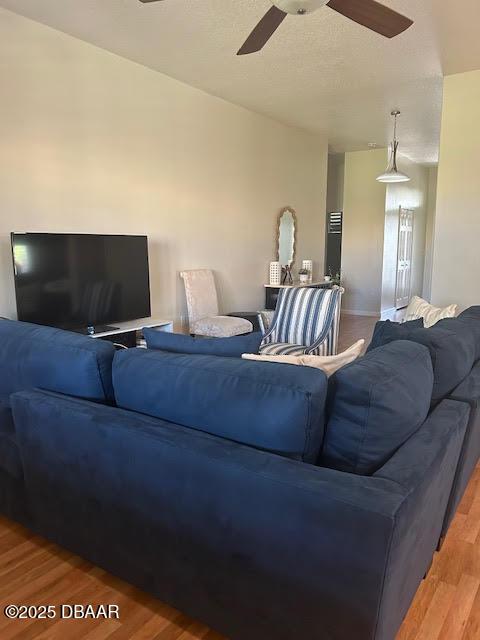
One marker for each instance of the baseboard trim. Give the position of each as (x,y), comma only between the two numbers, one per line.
(355,312)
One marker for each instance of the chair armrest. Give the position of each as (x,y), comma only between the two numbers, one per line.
(265,318)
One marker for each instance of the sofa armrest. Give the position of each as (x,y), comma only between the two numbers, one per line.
(426,470)
(422,451)
(257,545)
(469,390)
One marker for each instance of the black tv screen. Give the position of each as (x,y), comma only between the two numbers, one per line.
(75,281)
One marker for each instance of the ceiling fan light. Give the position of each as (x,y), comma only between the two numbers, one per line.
(299,7)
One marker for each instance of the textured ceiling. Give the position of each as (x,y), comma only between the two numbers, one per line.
(320,72)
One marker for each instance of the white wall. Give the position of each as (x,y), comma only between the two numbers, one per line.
(429,232)
(457,222)
(363,227)
(90,142)
(409,195)
(335,182)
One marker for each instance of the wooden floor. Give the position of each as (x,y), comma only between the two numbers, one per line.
(353,328)
(33,571)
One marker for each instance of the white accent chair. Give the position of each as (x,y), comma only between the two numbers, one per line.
(202,304)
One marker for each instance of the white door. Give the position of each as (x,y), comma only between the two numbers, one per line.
(404,258)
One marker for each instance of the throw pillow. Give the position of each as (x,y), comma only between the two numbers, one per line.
(464,325)
(452,354)
(386,331)
(420,308)
(328,364)
(374,405)
(181,343)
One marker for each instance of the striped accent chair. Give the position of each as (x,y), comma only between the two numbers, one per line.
(305,322)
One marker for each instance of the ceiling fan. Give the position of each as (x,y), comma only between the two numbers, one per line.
(368,13)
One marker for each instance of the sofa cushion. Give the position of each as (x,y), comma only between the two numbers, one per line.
(374,405)
(279,408)
(10,460)
(221,326)
(468,320)
(6,420)
(385,331)
(452,353)
(471,312)
(55,360)
(180,343)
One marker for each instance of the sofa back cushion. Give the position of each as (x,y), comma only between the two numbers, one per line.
(374,405)
(232,347)
(468,320)
(276,407)
(55,360)
(471,312)
(452,353)
(386,331)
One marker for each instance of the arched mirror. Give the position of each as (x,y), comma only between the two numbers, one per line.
(287,231)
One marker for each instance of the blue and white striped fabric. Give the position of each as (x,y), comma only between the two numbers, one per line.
(306,321)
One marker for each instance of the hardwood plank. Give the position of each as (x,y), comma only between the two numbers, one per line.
(103,631)
(472,629)
(353,328)
(423,599)
(155,625)
(471,527)
(456,621)
(437,612)
(70,584)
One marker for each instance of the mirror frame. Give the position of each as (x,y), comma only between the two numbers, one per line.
(279,219)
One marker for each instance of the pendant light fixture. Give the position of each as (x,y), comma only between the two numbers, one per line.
(392,174)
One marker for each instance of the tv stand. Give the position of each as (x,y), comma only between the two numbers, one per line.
(129,334)
(94,330)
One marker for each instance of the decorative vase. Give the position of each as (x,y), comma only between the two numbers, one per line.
(308,266)
(275,274)
(305,278)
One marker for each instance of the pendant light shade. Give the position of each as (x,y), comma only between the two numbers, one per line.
(392,174)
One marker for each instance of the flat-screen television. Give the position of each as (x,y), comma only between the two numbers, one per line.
(79,281)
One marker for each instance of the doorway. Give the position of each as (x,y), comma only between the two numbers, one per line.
(403,288)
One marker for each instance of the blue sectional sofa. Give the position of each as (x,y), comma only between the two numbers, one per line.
(260,498)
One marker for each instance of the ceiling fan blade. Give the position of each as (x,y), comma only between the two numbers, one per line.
(144,1)
(373,15)
(263,31)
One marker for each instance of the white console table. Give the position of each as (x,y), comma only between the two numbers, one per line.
(127,333)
